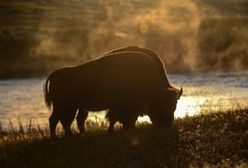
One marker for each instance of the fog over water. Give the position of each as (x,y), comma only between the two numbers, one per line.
(22,100)
(189,35)
(37,37)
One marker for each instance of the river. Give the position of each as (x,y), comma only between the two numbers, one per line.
(21,100)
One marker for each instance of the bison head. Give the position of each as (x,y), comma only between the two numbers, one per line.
(164,106)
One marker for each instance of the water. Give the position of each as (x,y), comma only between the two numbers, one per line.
(22,100)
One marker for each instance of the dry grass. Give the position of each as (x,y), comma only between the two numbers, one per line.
(213,140)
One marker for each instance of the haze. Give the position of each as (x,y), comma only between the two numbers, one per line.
(190,35)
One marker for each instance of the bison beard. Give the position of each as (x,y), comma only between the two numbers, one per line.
(125,83)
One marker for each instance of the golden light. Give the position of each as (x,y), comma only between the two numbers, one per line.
(144,28)
(186,106)
(189,106)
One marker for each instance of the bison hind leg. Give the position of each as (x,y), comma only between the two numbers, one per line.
(53,121)
(67,116)
(81,117)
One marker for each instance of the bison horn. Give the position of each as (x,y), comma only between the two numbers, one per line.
(180,93)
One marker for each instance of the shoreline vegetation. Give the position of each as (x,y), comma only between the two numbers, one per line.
(217,139)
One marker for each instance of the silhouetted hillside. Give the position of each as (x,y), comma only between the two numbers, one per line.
(193,35)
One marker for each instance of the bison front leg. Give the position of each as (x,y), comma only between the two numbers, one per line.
(125,116)
(128,125)
(112,118)
(129,121)
(111,126)
(81,117)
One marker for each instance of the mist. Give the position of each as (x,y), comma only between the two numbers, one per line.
(189,35)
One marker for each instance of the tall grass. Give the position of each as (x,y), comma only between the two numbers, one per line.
(212,140)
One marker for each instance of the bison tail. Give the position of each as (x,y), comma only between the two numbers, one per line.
(46,92)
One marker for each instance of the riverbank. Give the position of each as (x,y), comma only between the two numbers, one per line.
(212,140)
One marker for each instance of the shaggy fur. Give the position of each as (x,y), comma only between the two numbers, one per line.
(124,83)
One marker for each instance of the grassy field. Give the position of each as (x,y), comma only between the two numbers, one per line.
(212,140)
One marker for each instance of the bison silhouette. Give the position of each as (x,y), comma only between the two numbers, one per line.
(125,83)
(113,117)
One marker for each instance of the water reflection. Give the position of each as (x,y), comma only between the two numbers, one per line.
(22,100)
(189,106)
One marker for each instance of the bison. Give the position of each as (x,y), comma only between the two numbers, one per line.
(125,83)
(152,54)
(113,117)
